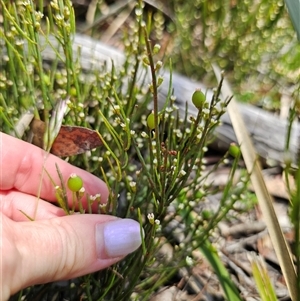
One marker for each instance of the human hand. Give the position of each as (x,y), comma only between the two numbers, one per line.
(54,246)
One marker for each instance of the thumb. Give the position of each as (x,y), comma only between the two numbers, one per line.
(63,248)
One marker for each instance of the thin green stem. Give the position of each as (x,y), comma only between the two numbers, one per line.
(155,97)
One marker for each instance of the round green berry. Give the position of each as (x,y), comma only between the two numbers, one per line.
(151,121)
(75,183)
(73,91)
(46,79)
(198,99)
(234,150)
(206,214)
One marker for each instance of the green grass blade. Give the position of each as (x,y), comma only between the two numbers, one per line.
(262,279)
(223,275)
(294,11)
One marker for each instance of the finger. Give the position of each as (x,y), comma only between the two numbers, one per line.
(19,206)
(22,169)
(63,248)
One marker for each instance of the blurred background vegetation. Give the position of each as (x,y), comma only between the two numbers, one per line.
(253,41)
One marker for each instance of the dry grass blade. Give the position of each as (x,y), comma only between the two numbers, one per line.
(114,9)
(22,124)
(118,22)
(264,199)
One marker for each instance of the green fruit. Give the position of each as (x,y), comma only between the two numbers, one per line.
(206,214)
(73,91)
(75,183)
(198,99)
(151,121)
(234,150)
(46,79)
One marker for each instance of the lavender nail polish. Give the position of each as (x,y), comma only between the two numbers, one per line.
(121,237)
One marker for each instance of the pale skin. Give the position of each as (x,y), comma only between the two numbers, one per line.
(54,246)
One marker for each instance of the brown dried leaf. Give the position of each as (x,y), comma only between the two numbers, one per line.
(70,141)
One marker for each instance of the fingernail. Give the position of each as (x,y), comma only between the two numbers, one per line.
(121,237)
